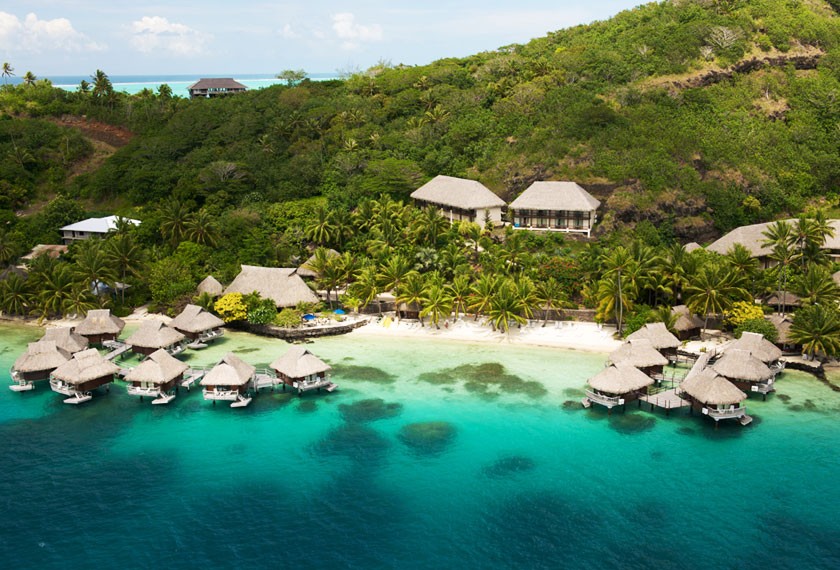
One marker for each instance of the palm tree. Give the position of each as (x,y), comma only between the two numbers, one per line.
(817,329)
(173,222)
(15,295)
(412,292)
(55,288)
(102,87)
(482,294)
(78,302)
(394,272)
(205,300)
(201,229)
(429,225)
(84,87)
(505,307)
(459,291)
(816,286)
(781,237)
(366,287)
(331,277)
(7,72)
(322,229)
(617,288)
(6,248)
(91,266)
(125,256)
(712,291)
(436,303)
(526,297)
(29,78)
(550,295)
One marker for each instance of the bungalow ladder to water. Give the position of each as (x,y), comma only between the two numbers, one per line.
(19,384)
(75,396)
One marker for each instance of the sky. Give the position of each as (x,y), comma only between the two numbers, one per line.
(76,37)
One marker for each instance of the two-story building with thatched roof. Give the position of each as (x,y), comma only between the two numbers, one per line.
(460,199)
(154,335)
(84,372)
(280,284)
(156,377)
(100,326)
(555,206)
(301,370)
(36,364)
(616,385)
(215,87)
(230,380)
(198,325)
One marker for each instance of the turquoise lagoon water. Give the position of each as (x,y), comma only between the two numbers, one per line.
(430,455)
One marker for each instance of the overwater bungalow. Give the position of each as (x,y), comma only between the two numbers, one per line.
(153,335)
(713,395)
(761,348)
(687,324)
(211,286)
(230,380)
(100,326)
(156,377)
(36,364)
(280,284)
(641,354)
(460,199)
(198,325)
(83,373)
(65,338)
(746,371)
(303,371)
(616,385)
(660,338)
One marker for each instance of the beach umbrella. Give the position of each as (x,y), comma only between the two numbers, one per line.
(339,312)
(308,317)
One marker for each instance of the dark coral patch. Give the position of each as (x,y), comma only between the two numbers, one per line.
(369,410)
(509,466)
(428,438)
(363,374)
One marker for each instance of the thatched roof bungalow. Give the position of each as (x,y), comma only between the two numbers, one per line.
(230,380)
(758,346)
(280,284)
(460,199)
(37,363)
(641,354)
(747,372)
(197,324)
(715,396)
(153,335)
(783,299)
(782,324)
(660,338)
(99,326)
(84,372)
(302,370)
(210,286)
(687,324)
(65,338)
(617,384)
(555,206)
(156,377)
(207,87)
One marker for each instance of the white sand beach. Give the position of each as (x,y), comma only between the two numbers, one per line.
(588,337)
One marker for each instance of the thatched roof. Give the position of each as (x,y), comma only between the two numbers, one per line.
(100,321)
(755,343)
(686,320)
(217,83)
(782,324)
(41,355)
(658,335)
(299,363)
(84,366)
(693,246)
(709,387)
(836,277)
(555,196)
(742,365)
(752,237)
(159,368)
(154,334)
(457,193)
(620,379)
(787,298)
(639,353)
(280,284)
(210,286)
(65,338)
(195,319)
(230,371)
(306,270)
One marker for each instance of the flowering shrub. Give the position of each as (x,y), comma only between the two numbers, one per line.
(743,311)
(231,307)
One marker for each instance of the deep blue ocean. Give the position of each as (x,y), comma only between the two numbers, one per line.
(179,83)
(431,454)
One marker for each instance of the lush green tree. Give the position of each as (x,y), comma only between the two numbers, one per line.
(817,329)
(436,303)
(7,71)
(816,285)
(483,292)
(760,326)
(291,76)
(200,228)
(713,291)
(505,307)
(15,295)
(411,292)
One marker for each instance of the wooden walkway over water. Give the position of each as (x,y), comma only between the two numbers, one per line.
(667,400)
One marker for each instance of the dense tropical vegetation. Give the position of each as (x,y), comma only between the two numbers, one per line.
(658,111)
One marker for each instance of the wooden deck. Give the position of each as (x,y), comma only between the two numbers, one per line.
(667,400)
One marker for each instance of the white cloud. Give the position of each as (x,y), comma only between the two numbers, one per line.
(155,33)
(34,35)
(289,33)
(352,34)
